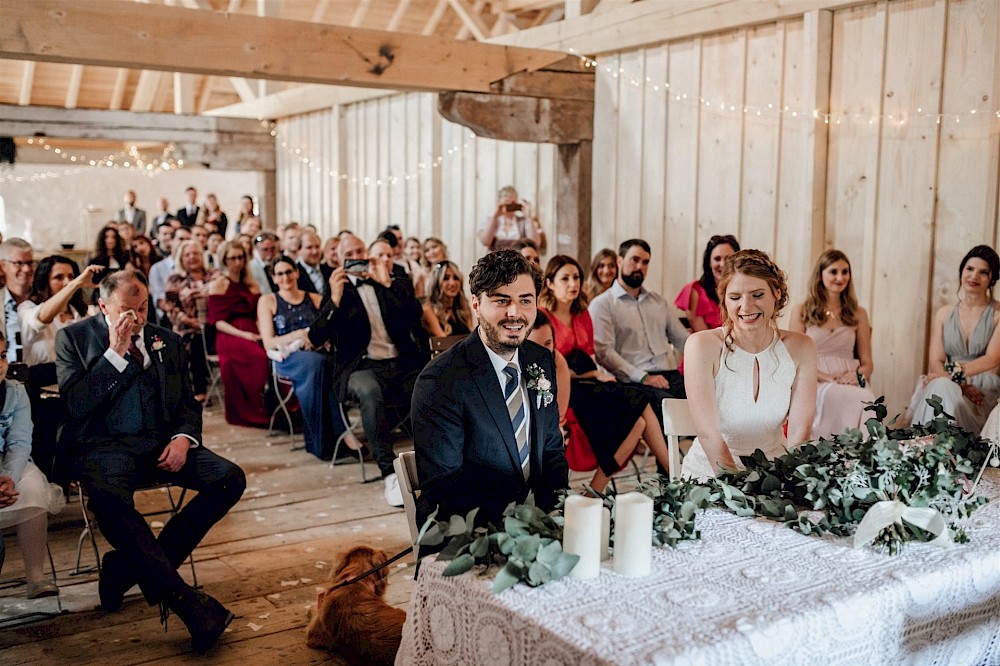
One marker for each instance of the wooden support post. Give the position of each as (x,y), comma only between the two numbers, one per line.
(573,194)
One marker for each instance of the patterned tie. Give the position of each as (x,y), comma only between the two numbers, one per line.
(515,409)
(134,353)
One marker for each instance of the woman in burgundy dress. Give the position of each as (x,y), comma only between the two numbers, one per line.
(232,309)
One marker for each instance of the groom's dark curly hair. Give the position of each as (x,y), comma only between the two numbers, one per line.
(500,268)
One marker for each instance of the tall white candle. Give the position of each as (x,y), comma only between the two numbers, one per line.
(582,534)
(633,534)
(605,534)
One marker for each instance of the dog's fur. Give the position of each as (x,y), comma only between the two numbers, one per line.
(354,621)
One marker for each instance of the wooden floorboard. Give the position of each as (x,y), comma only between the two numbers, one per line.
(264,561)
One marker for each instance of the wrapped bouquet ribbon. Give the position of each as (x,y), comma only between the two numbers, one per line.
(883,514)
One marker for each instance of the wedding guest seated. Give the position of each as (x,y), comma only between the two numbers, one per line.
(330,258)
(603,271)
(56,301)
(414,250)
(699,300)
(284,319)
(529,250)
(265,250)
(446,310)
(749,378)
(381,346)
(25,493)
(466,453)
(133,420)
(110,251)
(313,275)
(185,287)
(612,416)
(832,317)
(634,329)
(162,270)
(412,267)
(243,364)
(144,255)
(964,348)
(435,251)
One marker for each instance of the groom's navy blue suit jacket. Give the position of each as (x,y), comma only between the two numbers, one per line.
(466,453)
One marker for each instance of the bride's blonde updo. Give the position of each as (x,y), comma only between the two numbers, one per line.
(755,264)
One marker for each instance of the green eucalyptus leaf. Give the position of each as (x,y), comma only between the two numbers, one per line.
(539,574)
(480,547)
(459,565)
(527,547)
(549,553)
(507,577)
(514,526)
(456,526)
(563,565)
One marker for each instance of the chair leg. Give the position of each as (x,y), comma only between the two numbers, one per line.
(88,531)
(52,565)
(176,506)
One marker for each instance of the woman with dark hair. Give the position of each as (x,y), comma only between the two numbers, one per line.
(283,319)
(700,300)
(832,317)
(243,364)
(748,379)
(110,251)
(215,218)
(964,349)
(246,210)
(447,310)
(56,301)
(603,271)
(613,416)
(144,255)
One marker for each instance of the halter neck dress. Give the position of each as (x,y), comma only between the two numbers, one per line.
(747,424)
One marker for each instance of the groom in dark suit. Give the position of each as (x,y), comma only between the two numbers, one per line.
(485,419)
(133,420)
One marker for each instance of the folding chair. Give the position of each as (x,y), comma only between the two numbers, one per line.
(405,466)
(88,526)
(346,409)
(677,423)
(440,344)
(211,359)
(283,391)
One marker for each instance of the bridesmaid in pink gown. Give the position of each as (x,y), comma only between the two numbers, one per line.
(842,333)
(232,309)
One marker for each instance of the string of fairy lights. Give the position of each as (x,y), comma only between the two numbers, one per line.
(135,161)
(132,159)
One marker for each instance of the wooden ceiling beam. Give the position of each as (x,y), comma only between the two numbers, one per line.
(183,93)
(472,22)
(205,95)
(435,18)
(118,91)
(27,83)
(145,91)
(147,37)
(657,21)
(360,12)
(397,16)
(73,89)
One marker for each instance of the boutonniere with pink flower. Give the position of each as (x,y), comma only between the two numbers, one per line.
(541,385)
(157,346)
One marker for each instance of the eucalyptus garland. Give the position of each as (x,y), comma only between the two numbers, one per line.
(527,550)
(828,485)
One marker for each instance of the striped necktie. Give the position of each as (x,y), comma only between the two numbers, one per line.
(515,409)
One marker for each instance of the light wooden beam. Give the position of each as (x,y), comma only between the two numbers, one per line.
(472,23)
(360,12)
(575,8)
(145,91)
(604,6)
(145,36)
(243,89)
(205,96)
(27,83)
(397,16)
(118,91)
(515,6)
(657,21)
(318,12)
(435,18)
(73,89)
(299,100)
(183,93)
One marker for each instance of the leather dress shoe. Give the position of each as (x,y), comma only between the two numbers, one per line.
(114,581)
(204,617)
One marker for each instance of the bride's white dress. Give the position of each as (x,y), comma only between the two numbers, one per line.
(747,424)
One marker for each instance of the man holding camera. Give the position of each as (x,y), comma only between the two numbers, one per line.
(381,347)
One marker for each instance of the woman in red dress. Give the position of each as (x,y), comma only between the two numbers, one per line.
(232,309)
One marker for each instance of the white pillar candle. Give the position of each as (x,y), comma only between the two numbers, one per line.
(582,534)
(605,534)
(633,534)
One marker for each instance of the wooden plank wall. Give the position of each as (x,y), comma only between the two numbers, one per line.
(394,160)
(733,146)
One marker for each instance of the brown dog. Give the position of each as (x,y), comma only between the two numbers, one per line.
(354,621)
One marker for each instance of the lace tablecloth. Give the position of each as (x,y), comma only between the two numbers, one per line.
(749,592)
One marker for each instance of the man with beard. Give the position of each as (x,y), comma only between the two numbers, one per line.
(634,328)
(485,419)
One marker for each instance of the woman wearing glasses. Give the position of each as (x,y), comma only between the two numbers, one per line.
(699,299)
(243,365)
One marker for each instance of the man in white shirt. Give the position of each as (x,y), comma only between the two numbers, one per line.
(134,216)
(634,328)
(161,270)
(265,250)
(314,275)
(17,261)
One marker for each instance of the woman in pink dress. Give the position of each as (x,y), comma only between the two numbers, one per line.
(840,328)
(243,364)
(699,299)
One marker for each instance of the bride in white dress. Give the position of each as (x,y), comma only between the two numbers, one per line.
(746,380)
